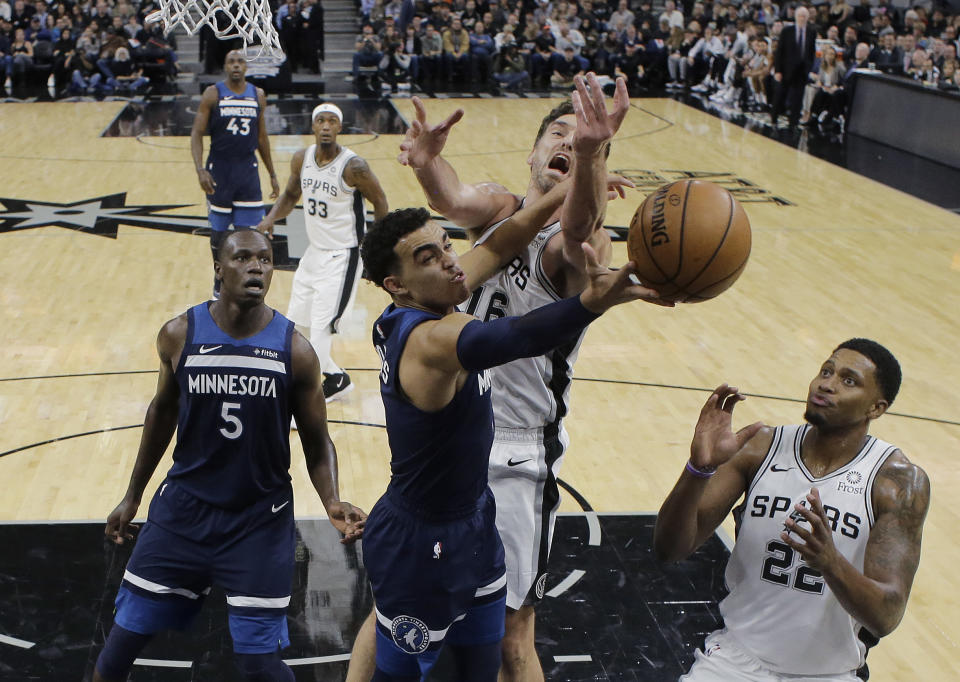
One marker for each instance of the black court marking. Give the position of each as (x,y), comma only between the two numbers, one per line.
(636,619)
(624,382)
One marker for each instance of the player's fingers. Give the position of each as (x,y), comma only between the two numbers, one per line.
(596,94)
(590,255)
(586,104)
(748,432)
(451,120)
(621,103)
(421,110)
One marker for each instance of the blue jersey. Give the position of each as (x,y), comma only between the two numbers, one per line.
(438,462)
(233,433)
(234,123)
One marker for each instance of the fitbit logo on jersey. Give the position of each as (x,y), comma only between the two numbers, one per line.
(410,634)
(232,384)
(265,353)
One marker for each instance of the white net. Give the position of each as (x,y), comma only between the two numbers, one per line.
(250,20)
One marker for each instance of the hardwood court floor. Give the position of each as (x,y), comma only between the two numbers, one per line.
(834,256)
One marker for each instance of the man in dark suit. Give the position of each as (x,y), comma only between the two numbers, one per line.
(792,63)
(887,56)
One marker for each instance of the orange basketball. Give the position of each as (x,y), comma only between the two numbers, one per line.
(690,241)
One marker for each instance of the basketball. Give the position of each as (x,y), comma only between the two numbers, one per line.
(690,240)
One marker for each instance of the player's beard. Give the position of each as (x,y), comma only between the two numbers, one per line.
(814,419)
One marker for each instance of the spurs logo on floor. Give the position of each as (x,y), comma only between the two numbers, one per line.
(410,634)
(745,191)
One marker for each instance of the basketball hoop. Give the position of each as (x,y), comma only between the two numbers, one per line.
(249,20)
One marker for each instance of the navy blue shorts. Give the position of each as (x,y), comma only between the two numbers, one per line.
(186,546)
(236,199)
(433,581)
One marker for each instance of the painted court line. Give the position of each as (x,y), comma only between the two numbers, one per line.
(13,641)
(566,583)
(575,658)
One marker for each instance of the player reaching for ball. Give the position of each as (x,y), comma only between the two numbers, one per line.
(812,584)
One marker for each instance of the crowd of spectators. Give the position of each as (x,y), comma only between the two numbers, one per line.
(83,47)
(724,50)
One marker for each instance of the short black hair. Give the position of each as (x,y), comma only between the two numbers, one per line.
(888,369)
(379,258)
(231,235)
(565,107)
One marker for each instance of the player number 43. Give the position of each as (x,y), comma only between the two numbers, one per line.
(242,129)
(233,427)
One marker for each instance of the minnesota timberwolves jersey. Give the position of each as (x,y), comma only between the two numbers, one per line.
(779,608)
(439,459)
(234,123)
(332,210)
(233,433)
(531,392)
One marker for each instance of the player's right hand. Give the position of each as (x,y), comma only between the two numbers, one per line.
(206,180)
(424,142)
(347,519)
(609,287)
(266,226)
(119,529)
(714,441)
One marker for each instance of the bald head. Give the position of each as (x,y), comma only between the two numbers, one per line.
(802,16)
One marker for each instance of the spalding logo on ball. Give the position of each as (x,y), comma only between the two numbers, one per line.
(690,240)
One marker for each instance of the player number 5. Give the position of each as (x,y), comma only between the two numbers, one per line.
(231,420)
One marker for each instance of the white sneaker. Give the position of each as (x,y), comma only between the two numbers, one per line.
(701,87)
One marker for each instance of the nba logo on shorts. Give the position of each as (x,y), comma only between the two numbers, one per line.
(410,634)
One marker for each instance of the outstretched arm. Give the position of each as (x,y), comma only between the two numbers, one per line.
(289,198)
(583,214)
(310,411)
(877,597)
(700,500)
(358,174)
(263,144)
(200,123)
(466,205)
(158,428)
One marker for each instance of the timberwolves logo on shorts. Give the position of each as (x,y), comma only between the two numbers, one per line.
(410,634)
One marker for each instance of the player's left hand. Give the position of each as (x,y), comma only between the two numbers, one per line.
(274,187)
(816,544)
(595,125)
(347,519)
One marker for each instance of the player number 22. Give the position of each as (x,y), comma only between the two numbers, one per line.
(242,129)
(234,426)
(778,566)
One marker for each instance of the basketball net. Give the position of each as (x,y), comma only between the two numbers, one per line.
(250,20)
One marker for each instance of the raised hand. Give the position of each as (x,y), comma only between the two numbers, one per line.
(595,125)
(608,288)
(423,142)
(118,523)
(714,441)
(815,545)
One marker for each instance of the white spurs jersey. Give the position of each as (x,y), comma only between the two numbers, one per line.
(332,211)
(530,392)
(780,609)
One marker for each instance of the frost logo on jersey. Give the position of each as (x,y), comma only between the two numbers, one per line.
(485,381)
(850,486)
(410,634)
(541,585)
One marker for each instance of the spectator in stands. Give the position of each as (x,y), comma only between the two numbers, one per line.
(849,45)
(6,11)
(702,57)
(949,76)
(566,65)
(84,75)
(679,46)
(792,63)
(621,18)
(756,73)
(367,50)
(922,68)
(887,56)
(470,15)
(456,51)
(122,75)
(861,60)
(504,38)
(482,50)
(541,56)
(510,71)
(630,67)
(431,57)
(672,14)
(828,95)
(22,57)
(89,43)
